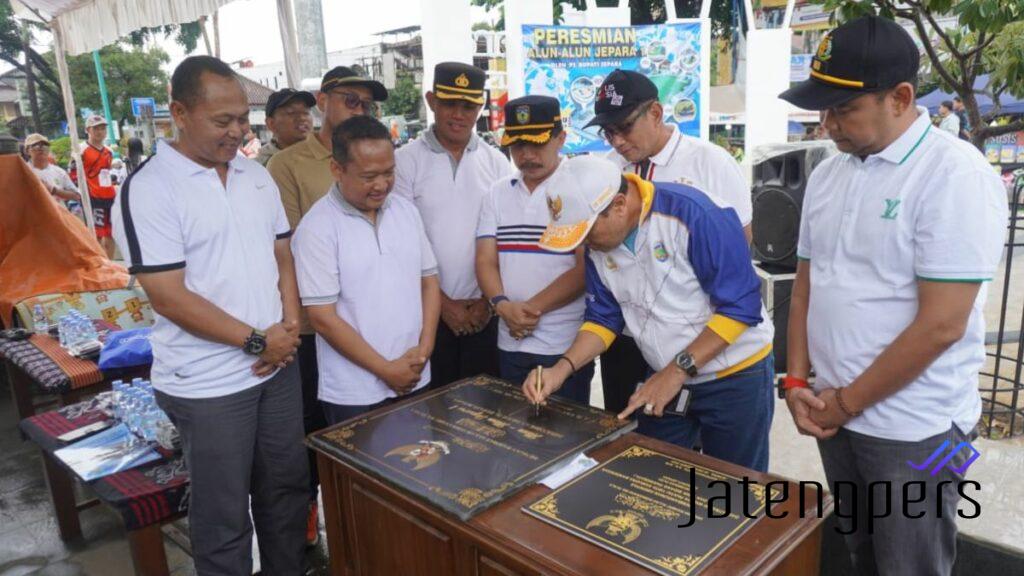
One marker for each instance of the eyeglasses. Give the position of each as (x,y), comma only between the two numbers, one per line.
(626,126)
(353,101)
(40,146)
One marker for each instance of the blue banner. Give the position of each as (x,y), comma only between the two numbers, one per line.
(570,62)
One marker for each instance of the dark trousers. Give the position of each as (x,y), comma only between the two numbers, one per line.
(896,544)
(335,413)
(516,366)
(458,357)
(730,417)
(241,446)
(312,414)
(622,368)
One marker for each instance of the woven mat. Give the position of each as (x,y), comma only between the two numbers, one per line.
(81,372)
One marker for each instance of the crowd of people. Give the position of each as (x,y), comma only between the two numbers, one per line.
(346,275)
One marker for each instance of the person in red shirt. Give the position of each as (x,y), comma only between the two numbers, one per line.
(96,161)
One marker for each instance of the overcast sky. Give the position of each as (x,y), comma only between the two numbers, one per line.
(249,30)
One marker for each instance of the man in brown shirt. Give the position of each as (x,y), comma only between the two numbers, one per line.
(288,118)
(303,175)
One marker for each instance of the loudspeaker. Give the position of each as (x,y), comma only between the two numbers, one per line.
(776,289)
(777,197)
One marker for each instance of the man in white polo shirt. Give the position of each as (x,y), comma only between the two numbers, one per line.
(899,235)
(632,120)
(368,278)
(537,294)
(671,265)
(204,231)
(446,172)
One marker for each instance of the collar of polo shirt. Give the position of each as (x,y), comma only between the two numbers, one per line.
(665,154)
(900,149)
(192,167)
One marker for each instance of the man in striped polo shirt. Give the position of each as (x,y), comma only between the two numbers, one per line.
(537,294)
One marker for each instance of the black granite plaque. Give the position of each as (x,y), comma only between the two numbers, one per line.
(652,509)
(470,444)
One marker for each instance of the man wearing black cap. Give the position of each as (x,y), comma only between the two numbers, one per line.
(899,235)
(632,120)
(288,118)
(447,171)
(303,175)
(536,293)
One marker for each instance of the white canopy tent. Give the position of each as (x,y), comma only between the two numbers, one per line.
(81,26)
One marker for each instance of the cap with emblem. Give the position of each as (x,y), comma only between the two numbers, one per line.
(33,139)
(95,120)
(620,93)
(865,55)
(577,193)
(286,95)
(458,81)
(344,76)
(532,119)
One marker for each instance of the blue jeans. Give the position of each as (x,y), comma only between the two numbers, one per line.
(516,366)
(730,416)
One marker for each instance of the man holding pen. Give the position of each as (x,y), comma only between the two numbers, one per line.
(672,265)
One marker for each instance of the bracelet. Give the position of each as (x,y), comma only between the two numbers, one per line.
(571,365)
(790,382)
(842,405)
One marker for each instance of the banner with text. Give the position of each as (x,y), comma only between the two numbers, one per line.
(570,62)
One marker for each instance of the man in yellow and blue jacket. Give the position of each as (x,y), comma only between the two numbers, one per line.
(669,265)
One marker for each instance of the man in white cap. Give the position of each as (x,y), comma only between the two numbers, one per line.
(97,160)
(56,180)
(672,265)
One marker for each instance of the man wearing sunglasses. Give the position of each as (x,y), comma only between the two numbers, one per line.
(633,121)
(303,175)
(447,172)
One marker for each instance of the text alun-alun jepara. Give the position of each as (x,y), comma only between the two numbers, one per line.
(583,43)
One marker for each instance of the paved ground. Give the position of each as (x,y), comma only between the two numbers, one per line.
(29,543)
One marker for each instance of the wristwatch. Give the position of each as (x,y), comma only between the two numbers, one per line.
(497,300)
(256,343)
(684,361)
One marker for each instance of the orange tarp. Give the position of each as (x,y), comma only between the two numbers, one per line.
(44,249)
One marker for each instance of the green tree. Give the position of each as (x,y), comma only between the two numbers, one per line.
(988,40)
(404,99)
(128,73)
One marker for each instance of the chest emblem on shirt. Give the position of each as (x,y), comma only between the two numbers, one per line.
(423,454)
(522,114)
(892,206)
(555,207)
(610,263)
(660,253)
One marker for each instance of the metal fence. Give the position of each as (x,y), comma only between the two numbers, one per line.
(1002,392)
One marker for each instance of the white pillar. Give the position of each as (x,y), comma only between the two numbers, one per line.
(71,113)
(768,54)
(445,30)
(518,13)
(286,23)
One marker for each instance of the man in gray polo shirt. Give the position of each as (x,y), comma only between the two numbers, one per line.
(205,233)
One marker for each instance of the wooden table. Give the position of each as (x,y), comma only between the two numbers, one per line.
(146,497)
(375,529)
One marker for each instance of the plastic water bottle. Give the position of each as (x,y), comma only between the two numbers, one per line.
(39,323)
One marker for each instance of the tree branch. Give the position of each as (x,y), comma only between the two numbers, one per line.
(935,26)
(992,131)
(933,56)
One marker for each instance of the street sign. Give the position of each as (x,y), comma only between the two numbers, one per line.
(143,107)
